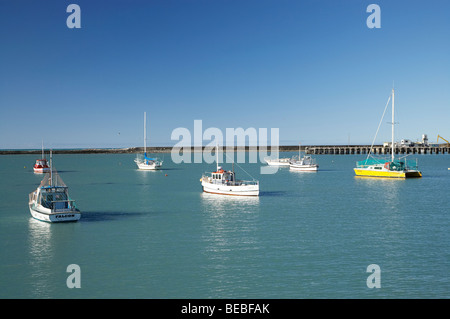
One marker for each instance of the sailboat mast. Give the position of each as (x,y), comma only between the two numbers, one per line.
(51,169)
(393,123)
(145,132)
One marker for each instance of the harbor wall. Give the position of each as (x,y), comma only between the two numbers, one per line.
(376,149)
(309,149)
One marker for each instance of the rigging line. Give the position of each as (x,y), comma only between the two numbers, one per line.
(385,108)
(239,166)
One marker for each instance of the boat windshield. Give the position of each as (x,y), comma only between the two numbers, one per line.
(55,198)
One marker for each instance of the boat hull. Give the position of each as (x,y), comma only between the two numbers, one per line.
(386,173)
(278,162)
(241,190)
(305,168)
(55,217)
(41,170)
(148,167)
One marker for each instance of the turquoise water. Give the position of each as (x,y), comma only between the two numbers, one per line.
(148,235)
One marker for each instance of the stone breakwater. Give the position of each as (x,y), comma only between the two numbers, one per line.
(150,150)
(92,151)
(309,149)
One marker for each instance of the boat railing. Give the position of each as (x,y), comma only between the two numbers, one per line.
(31,197)
(228,183)
(370,162)
(411,164)
(241,183)
(397,165)
(277,159)
(59,205)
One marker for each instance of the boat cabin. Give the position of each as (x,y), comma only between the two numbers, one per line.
(395,166)
(222,176)
(41,163)
(54,197)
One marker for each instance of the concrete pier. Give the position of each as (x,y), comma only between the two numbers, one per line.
(309,149)
(376,149)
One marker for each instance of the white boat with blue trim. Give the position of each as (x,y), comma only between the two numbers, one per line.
(51,202)
(147,163)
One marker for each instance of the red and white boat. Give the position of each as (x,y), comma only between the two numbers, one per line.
(41,166)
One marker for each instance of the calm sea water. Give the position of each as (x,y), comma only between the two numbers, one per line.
(156,235)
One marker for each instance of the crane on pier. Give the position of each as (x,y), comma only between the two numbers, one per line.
(440,137)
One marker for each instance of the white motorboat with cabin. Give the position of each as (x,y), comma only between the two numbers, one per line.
(305,163)
(225,183)
(147,163)
(51,202)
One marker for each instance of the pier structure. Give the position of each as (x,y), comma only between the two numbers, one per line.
(309,149)
(376,149)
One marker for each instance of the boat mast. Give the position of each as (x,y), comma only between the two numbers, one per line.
(145,132)
(42,149)
(217,157)
(392,156)
(51,169)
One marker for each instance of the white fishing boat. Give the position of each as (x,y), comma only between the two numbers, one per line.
(144,162)
(225,183)
(277,161)
(51,202)
(305,163)
(41,165)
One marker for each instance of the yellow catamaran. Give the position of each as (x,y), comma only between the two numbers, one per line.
(387,168)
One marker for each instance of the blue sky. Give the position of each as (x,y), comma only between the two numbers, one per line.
(311,68)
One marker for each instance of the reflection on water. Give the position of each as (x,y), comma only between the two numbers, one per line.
(386,198)
(41,254)
(382,189)
(222,203)
(303,175)
(300,172)
(230,238)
